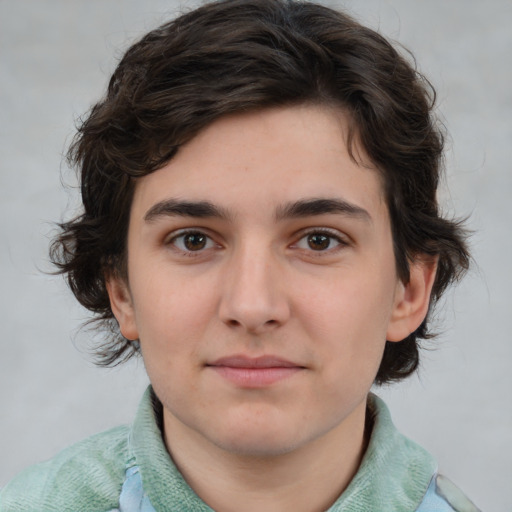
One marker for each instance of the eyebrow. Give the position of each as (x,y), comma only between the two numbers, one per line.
(297,209)
(175,207)
(321,206)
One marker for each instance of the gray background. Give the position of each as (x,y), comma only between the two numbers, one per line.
(56,57)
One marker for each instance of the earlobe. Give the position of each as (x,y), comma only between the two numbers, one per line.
(412,299)
(122,307)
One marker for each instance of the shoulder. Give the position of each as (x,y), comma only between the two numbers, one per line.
(443,496)
(85,476)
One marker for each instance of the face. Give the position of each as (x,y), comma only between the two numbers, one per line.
(261,282)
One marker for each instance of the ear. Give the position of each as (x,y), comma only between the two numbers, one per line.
(121,304)
(412,299)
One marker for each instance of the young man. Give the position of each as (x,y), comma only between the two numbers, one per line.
(260,223)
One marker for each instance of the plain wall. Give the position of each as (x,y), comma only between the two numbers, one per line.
(56,57)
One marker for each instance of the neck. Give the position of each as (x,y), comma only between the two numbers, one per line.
(307,479)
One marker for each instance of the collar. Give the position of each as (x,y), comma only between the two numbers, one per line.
(394,473)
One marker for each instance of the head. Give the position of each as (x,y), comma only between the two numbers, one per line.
(244,56)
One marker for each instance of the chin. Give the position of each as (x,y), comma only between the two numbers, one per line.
(261,439)
(259,446)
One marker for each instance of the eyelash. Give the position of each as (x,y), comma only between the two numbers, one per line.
(209,242)
(329,234)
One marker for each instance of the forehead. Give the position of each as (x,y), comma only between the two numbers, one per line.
(265,159)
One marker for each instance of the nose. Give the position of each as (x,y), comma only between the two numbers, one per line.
(253,298)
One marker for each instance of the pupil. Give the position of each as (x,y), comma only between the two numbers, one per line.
(195,241)
(318,242)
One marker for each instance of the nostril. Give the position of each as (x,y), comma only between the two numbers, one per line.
(237,324)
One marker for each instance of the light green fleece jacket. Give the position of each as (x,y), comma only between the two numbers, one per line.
(128,469)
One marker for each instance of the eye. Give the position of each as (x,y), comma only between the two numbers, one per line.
(192,241)
(319,241)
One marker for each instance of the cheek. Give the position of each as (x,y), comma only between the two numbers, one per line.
(347,319)
(347,305)
(167,296)
(172,313)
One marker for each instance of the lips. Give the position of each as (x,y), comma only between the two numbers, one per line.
(258,372)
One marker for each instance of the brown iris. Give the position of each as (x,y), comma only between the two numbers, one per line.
(318,241)
(194,241)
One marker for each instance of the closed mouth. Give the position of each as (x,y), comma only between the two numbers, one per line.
(254,372)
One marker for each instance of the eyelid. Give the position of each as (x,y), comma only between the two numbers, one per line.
(174,235)
(342,239)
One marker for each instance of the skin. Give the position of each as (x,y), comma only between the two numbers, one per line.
(231,257)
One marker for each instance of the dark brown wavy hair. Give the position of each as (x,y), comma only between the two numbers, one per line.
(236,56)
